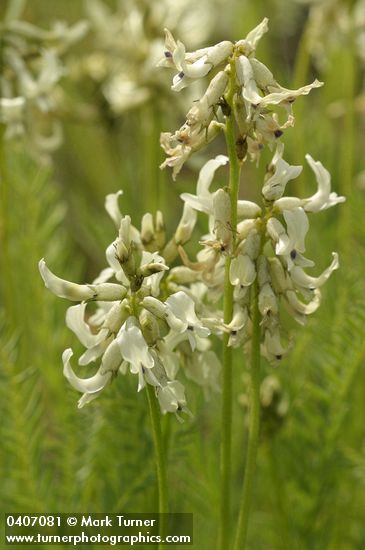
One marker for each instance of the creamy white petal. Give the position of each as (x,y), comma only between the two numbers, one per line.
(285,95)
(297,227)
(186,224)
(112,206)
(242,271)
(112,358)
(78,293)
(87,398)
(171,397)
(272,348)
(277,232)
(268,302)
(288,203)
(257,33)
(181,314)
(86,385)
(274,187)
(75,321)
(91,354)
(301,279)
(63,288)
(301,307)
(133,346)
(206,174)
(248,209)
(323,198)
(246,79)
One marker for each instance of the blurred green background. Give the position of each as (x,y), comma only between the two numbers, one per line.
(310,486)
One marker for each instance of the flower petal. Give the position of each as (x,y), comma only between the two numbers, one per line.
(112,206)
(133,346)
(86,385)
(302,280)
(323,198)
(75,321)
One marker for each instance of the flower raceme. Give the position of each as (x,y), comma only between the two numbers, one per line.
(237,73)
(269,248)
(145,321)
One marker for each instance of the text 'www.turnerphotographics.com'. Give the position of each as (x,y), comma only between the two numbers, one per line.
(112,529)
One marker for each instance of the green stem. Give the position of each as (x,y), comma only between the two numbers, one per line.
(226,414)
(159,458)
(242,525)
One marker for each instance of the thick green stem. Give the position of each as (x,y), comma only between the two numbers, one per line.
(159,458)
(241,533)
(226,415)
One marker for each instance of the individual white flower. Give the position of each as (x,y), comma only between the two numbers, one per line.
(134,349)
(180,145)
(268,302)
(203,111)
(248,209)
(242,271)
(323,198)
(249,44)
(305,281)
(274,187)
(76,292)
(303,308)
(112,207)
(75,321)
(195,65)
(181,317)
(283,95)
(237,328)
(272,348)
(186,225)
(90,387)
(171,397)
(290,243)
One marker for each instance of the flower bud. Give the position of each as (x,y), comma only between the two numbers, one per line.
(219,53)
(116,316)
(186,225)
(248,209)
(147,229)
(149,326)
(160,230)
(268,303)
(280,280)
(242,271)
(152,268)
(154,306)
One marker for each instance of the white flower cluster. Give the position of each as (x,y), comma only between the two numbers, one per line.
(31,69)
(268,249)
(255,96)
(144,321)
(125,68)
